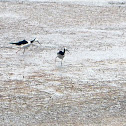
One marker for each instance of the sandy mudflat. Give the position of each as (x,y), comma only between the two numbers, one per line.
(88,90)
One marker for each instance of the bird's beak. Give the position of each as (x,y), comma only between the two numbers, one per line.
(38,42)
(67,50)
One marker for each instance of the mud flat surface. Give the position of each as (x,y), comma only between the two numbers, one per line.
(89,89)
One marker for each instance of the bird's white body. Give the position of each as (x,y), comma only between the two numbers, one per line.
(26,45)
(60,56)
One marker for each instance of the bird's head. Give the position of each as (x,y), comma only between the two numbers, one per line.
(35,40)
(65,49)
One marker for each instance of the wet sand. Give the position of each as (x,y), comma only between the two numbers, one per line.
(89,89)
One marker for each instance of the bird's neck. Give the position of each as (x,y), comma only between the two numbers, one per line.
(31,41)
(64,51)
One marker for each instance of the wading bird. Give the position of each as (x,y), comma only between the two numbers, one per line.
(24,44)
(61,55)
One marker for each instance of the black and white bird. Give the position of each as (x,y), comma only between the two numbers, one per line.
(61,55)
(24,44)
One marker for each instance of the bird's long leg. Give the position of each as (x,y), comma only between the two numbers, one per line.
(61,62)
(18,50)
(55,59)
(24,51)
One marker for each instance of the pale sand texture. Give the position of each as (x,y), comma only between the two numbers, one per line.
(88,90)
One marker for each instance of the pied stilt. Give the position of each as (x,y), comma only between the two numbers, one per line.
(24,44)
(61,55)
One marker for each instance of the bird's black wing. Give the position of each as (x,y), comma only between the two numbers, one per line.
(61,53)
(20,42)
